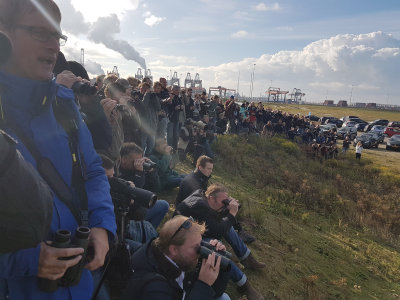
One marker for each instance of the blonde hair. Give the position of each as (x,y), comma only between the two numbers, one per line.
(214,189)
(171,227)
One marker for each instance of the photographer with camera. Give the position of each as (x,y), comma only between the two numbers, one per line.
(175,107)
(218,211)
(89,104)
(152,105)
(162,156)
(162,265)
(143,173)
(31,102)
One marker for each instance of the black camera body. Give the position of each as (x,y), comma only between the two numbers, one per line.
(122,193)
(148,165)
(84,88)
(73,274)
(206,249)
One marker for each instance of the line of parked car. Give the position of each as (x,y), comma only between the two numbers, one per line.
(374,132)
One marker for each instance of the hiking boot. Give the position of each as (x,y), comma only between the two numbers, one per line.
(250,263)
(250,292)
(246,237)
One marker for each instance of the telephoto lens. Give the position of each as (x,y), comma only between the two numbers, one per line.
(81,240)
(62,239)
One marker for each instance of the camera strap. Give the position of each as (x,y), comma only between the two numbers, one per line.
(66,116)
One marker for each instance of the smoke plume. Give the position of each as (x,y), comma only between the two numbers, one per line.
(103,31)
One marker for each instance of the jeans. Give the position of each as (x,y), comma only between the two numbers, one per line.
(162,128)
(236,275)
(173,182)
(224,296)
(157,213)
(173,134)
(147,142)
(104,293)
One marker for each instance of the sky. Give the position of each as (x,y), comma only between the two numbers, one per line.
(330,49)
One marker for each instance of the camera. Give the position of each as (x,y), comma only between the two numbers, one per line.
(83,88)
(119,107)
(148,165)
(206,249)
(122,193)
(73,274)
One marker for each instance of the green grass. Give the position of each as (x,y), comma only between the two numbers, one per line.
(325,231)
(338,112)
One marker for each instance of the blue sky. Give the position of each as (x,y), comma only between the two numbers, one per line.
(317,40)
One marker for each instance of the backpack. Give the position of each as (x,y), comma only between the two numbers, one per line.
(26,200)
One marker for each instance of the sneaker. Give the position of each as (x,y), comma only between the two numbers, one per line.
(250,292)
(251,263)
(246,237)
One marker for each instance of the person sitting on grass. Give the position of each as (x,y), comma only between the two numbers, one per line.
(162,156)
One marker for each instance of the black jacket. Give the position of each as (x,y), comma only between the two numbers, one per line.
(193,181)
(160,275)
(217,223)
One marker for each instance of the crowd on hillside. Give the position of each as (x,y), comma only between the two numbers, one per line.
(99,154)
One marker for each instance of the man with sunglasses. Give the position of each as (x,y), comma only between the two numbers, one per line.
(29,97)
(161,265)
(218,210)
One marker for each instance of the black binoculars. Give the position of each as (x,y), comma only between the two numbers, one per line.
(206,249)
(73,274)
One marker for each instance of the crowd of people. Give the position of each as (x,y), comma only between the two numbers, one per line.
(125,134)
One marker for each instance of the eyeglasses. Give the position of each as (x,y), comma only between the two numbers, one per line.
(185,225)
(43,35)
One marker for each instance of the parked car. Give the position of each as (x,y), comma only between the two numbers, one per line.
(347,131)
(395,124)
(325,128)
(376,122)
(378,129)
(361,126)
(390,131)
(393,143)
(368,140)
(349,123)
(335,121)
(312,118)
(346,118)
(324,118)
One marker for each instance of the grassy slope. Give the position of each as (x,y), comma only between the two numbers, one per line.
(319,110)
(341,247)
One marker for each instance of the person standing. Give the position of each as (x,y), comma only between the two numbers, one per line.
(346,145)
(359,150)
(30,98)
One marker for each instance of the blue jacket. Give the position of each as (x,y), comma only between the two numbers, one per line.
(29,104)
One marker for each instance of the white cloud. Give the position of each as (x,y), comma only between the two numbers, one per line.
(152,20)
(325,68)
(264,7)
(93,9)
(240,34)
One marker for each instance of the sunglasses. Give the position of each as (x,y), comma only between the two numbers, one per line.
(185,225)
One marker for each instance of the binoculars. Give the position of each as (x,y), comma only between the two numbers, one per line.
(206,249)
(73,274)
